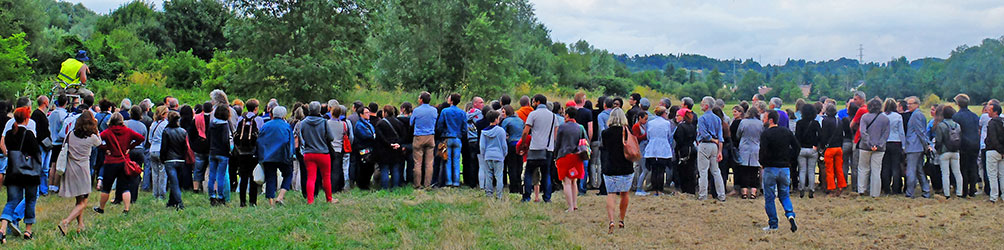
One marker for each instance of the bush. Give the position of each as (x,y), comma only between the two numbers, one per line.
(931,100)
(182,70)
(14,58)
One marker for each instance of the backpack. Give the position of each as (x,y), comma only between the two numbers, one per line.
(246,136)
(954,138)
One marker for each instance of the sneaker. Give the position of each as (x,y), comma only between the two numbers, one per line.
(769,229)
(53,189)
(640,193)
(794,227)
(99,210)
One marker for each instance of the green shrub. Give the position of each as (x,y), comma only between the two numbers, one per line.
(182,70)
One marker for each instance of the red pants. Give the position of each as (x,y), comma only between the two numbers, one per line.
(834,159)
(313,162)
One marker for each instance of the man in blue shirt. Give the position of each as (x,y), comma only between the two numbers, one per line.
(451,127)
(775,104)
(423,119)
(709,150)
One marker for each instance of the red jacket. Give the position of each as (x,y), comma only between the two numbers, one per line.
(116,140)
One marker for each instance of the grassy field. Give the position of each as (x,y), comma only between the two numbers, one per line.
(464,218)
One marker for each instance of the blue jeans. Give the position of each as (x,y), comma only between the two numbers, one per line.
(778,180)
(46,154)
(200,167)
(173,187)
(534,167)
(585,177)
(271,178)
(452,169)
(218,175)
(20,194)
(395,171)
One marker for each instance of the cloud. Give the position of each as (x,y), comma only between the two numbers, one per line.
(773,31)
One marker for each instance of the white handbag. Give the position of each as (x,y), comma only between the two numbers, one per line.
(259,174)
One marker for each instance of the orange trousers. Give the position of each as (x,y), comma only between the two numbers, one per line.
(834,159)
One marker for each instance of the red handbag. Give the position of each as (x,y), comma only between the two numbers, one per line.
(131,168)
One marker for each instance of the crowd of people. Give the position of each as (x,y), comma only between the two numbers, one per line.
(67,146)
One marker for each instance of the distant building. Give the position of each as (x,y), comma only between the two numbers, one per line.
(806,90)
(763,90)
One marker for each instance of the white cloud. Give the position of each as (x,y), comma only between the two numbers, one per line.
(773,31)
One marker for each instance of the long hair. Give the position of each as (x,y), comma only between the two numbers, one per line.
(617,118)
(86,125)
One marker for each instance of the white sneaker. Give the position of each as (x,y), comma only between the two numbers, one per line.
(768,229)
(640,193)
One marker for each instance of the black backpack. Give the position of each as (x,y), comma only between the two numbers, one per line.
(246,136)
(954,142)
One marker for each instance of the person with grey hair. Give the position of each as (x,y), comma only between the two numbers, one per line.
(339,128)
(775,104)
(688,102)
(915,143)
(268,110)
(709,148)
(124,107)
(874,134)
(666,102)
(146,105)
(172,104)
(313,140)
(274,152)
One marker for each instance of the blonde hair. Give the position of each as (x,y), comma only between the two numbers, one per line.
(617,118)
(160,113)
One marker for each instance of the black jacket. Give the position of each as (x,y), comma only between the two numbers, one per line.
(613,143)
(388,131)
(778,148)
(830,135)
(219,139)
(995,135)
(198,144)
(807,132)
(173,145)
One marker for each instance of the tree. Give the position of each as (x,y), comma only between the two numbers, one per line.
(749,85)
(141,19)
(196,25)
(182,70)
(302,50)
(16,70)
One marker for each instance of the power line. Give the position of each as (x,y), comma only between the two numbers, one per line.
(861,53)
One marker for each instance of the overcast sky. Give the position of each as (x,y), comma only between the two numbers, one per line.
(769,31)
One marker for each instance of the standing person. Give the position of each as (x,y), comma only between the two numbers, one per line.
(874,134)
(539,130)
(118,139)
(709,148)
(524,108)
(365,141)
(56,118)
(849,148)
(893,158)
(275,152)
(831,141)
(407,142)
(314,140)
(513,127)
(568,162)
(20,187)
(618,173)
(659,152)
(602,113)
(389,148)
(778,151)
(158,175)
(340,148)
(584,116)
(748,173)
(76,180)
(424,122)
(200,145)
(807,133)
(471,170)
(969,122)
(494,147)
(948,141)
(775,104)
(44,140)
(185,173)
(452,124)
(995,146)
(174,147)
(684,139)
(641,173)
(218,135)
(915,143)
(245,145)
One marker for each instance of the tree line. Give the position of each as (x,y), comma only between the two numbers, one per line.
(303,50)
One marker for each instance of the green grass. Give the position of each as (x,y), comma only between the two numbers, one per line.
(406,218)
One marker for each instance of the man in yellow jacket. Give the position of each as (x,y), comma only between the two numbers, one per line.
(73,70)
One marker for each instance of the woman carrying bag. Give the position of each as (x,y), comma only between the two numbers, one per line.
(22,178)
(76,180)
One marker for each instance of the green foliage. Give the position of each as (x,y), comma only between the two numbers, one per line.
(614,85)
(305,50)
(118,53)
(196,25)
(14,58)
(140,18)
(52,47)
(182,70)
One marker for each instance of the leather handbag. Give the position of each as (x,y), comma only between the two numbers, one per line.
(20,163)
(131,167)
(632,152)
